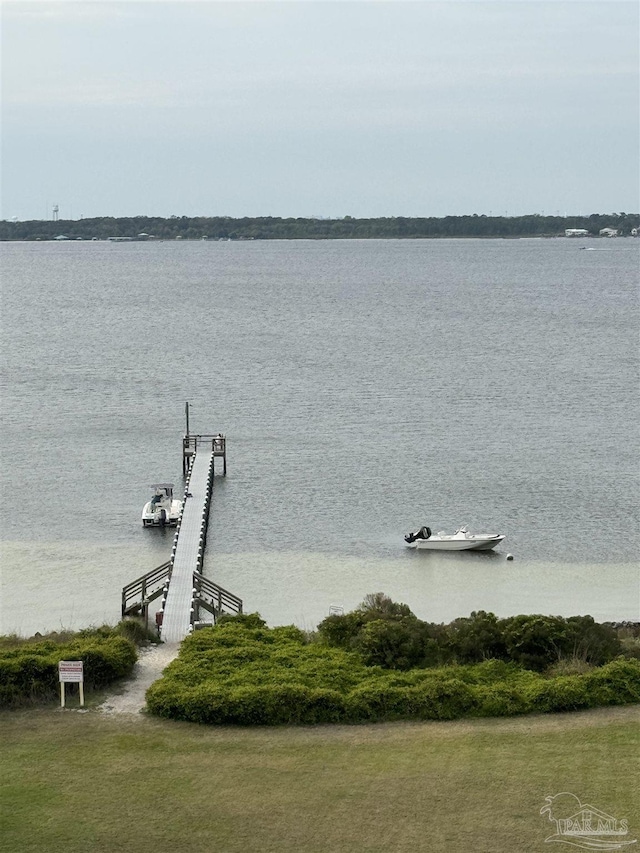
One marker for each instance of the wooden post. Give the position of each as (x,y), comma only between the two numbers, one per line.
(186,411)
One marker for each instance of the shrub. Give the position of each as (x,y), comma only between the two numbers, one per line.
(564,693)
(500,700)
(377,702)
(137,631)
(377,605)
(248,705)
(247,620)
(534,642)
(447,699)
(476,638)
(630,647)
(341,631)
(569,666)
(593,642)
(29,672)
(291,634)
(391,644)
(616,683)
(105,662)
(243,675)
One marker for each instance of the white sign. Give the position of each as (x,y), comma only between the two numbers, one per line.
(70,670)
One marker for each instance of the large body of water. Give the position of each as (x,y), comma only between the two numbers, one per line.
(365,388)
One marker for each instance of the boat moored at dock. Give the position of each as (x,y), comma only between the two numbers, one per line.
(163,510)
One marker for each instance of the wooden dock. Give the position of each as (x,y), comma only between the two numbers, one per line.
(188,549)
(184,589)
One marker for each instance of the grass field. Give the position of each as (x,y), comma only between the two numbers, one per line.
(104,783)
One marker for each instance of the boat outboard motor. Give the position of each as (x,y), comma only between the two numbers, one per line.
(423,533)
(163,517)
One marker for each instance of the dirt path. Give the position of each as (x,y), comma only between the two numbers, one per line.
(151,662)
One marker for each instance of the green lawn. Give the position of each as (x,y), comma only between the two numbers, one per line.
(103,783)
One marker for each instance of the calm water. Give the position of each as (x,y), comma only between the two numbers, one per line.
(365,388)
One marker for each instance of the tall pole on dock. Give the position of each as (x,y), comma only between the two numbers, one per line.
(186,411)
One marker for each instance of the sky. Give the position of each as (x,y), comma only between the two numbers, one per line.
(332,108)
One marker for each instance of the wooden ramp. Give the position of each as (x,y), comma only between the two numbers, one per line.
(188,549)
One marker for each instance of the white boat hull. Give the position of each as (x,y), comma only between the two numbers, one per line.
(461,540)
(163,515)
(478,543)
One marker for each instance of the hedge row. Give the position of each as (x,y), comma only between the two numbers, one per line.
(616,683)
(29,672)
(232,674)
(388,634)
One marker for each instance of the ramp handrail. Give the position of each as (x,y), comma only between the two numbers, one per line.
(213,597)
(137,594)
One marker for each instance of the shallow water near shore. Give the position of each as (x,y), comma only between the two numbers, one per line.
(300,587)
(365,388)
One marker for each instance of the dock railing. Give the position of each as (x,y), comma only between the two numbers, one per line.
(212,598)
(216,443)
(137,595)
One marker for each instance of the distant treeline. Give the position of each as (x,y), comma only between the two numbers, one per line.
(277,228)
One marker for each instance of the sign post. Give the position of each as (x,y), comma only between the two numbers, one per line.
(71,671)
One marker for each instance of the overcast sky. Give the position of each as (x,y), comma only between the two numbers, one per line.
(305,108)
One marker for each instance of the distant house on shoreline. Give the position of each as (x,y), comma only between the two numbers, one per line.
(608,232)
(576,232)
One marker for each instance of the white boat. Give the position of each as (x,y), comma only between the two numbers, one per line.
(162,510)
(461,540)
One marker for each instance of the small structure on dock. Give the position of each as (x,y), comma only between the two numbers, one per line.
(192,441)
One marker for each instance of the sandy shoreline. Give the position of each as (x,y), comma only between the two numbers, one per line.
(130,699)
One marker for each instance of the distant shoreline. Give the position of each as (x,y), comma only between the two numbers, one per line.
(149,229)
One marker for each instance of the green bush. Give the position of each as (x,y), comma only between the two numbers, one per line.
(374,701)
(569,666)
(341,630)
(247,674)
(630,647)
(500,700)
(476,638)
(29,670)
(246,620)
(137,631)
(388,634)
(564,693)
(248,705)
(592,642)
(397,644)
(535,642)
(616,683)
